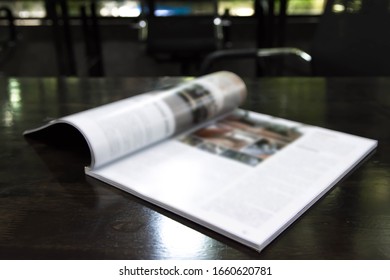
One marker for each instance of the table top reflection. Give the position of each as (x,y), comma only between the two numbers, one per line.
(50,210)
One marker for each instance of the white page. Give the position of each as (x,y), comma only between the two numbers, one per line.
(120,128)
(249,202)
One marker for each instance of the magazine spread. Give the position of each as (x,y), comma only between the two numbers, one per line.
(190,150)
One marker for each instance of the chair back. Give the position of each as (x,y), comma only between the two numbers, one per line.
(182,35)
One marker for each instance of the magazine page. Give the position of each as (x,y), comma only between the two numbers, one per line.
(247,176)
(120,128)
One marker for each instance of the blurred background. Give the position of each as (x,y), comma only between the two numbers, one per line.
(149,38)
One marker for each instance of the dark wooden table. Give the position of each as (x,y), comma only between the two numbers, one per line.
(50,210)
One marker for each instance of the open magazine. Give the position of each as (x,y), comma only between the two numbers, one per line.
(190,150)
